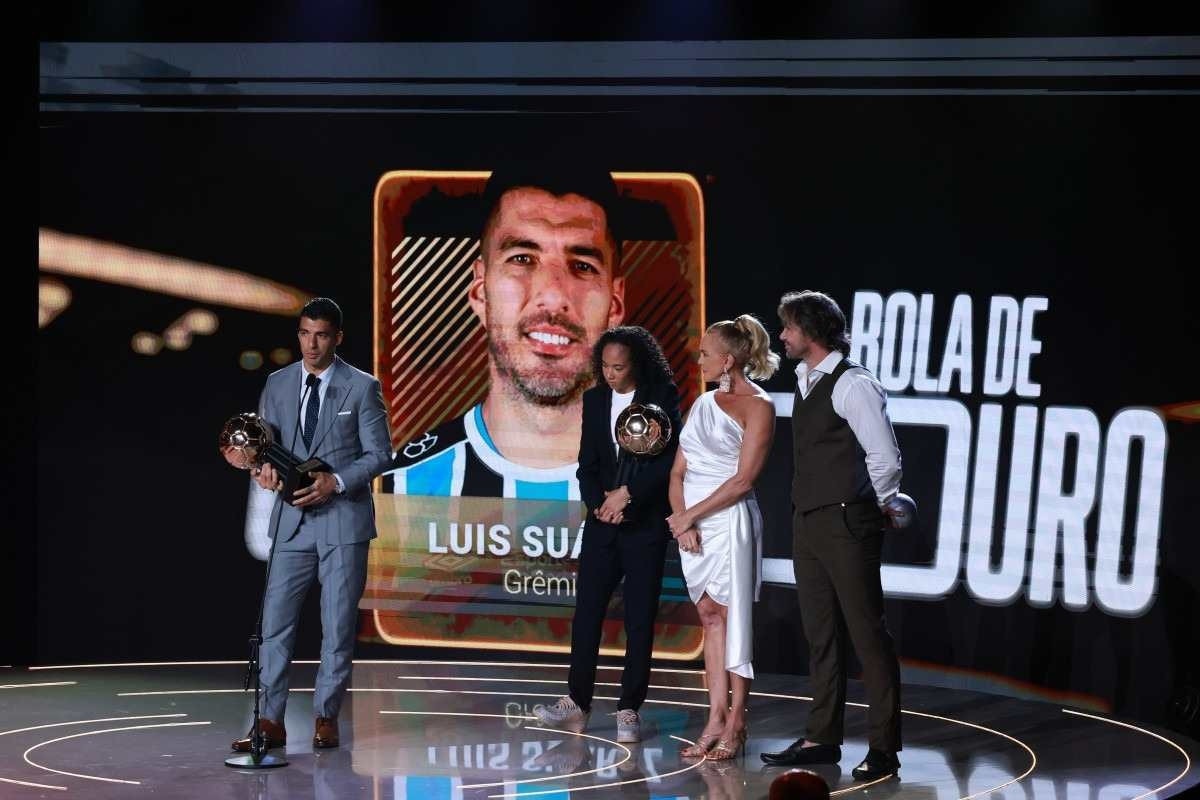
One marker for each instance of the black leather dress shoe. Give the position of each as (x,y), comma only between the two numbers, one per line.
(877,764)
(797,754)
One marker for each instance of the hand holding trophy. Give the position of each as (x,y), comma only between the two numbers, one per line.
(247,442)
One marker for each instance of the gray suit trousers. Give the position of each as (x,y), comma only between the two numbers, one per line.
(342,572)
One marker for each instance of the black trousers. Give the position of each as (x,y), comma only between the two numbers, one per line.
(610,553)
(836,555)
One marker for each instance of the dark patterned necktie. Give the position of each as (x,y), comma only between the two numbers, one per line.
(312,410)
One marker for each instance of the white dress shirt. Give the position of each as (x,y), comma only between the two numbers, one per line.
(620,402)
(861,400)
(325,377)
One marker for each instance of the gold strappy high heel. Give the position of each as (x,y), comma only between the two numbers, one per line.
(724,751)
(703,744)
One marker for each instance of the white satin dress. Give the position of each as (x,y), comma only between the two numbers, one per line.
(728,567)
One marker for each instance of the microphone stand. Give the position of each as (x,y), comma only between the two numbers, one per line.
(258,757)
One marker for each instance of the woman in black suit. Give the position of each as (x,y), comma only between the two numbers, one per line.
(625,535)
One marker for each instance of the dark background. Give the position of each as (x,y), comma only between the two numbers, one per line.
(1089,200)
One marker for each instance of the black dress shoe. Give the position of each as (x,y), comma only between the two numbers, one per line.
(797,754)
(877,764)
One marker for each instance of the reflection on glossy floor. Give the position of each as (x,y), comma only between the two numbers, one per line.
(433,730)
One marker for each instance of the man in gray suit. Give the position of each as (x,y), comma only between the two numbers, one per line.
(321,407)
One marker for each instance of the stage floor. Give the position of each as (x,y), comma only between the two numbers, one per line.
(432,730)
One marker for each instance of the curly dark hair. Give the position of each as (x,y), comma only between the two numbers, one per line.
(818,315)
(650,366)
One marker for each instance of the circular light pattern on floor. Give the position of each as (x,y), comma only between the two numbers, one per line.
(520,783)
(64,724)
(33,763)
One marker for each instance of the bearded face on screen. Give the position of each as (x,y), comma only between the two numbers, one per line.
(544,289)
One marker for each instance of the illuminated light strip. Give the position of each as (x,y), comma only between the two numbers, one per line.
(32,763)
(407,255)
(403,242)
(541,680)
(458,326)
(606,683)
(615,783)
(454,714)
(1187,761)
(424,293)
(1032,755)
(523,664)
(153,664)
(201,691)
(450,301)
(417,662)
(33,785)
(27,685)
(416,264)
(468,691)
(385,690)
(474,388)
(632,263)
(83,257)
(440,298)
(86,721)
(436,329)
(661,686)
(860,786)
(628,755)
(400,661)
(59,725)
(440,387)
(447,321)
(665,702)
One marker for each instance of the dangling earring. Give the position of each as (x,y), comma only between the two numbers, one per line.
(725,382)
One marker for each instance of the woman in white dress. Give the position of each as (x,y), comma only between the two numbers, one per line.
(722,449)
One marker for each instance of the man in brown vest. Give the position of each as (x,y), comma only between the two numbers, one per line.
(847,466)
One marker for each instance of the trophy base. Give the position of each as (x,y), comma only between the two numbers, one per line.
(250,761)
(296,477)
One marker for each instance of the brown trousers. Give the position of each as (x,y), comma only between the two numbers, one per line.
(836,555)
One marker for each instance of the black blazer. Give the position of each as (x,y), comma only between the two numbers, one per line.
(650,504)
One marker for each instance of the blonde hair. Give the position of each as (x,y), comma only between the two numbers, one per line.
(750,345)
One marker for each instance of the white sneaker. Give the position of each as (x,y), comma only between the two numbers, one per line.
(564,711)
(629,726)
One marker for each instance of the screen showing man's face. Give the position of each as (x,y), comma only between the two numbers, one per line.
(483,344)
(545,290)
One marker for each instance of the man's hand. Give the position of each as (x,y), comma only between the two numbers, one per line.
(316,493)
(889,518)
(267,478)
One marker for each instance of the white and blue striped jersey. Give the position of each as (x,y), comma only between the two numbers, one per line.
(458,458)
